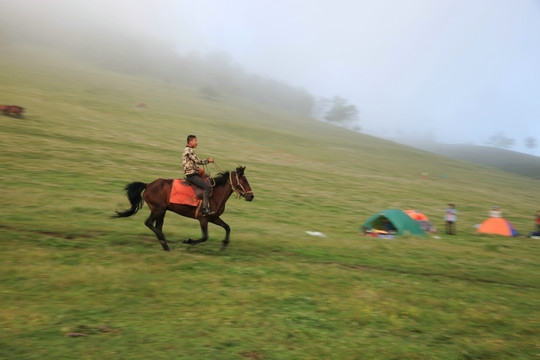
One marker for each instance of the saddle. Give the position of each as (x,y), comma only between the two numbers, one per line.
(197,190)
(185,193)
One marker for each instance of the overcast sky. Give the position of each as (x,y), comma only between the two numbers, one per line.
(458,71)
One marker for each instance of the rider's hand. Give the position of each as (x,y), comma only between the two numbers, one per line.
(210,160)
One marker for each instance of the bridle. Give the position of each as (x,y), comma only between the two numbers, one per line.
(239,191)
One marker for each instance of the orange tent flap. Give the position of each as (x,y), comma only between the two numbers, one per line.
(415,215)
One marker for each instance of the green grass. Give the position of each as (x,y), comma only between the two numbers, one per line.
(276,293)
(511,161)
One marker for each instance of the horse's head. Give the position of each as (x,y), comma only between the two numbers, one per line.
(240,184)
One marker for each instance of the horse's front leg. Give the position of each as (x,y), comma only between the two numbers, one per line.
(203,221)
(227,228)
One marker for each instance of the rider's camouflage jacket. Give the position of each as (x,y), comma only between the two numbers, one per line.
(190,161)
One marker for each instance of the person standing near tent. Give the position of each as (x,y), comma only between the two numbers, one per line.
(450,217)
(495,212)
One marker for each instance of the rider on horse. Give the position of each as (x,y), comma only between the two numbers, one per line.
(191,171)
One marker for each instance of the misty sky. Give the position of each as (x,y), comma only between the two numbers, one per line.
(457,71)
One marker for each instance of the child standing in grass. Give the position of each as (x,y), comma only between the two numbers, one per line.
(450,217)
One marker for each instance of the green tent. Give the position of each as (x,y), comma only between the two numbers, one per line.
(403,223)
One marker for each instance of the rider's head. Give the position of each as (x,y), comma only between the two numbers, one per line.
(192,140)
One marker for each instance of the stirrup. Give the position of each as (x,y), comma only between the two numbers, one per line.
(207,212)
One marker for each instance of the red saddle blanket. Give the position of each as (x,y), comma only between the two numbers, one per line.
(182,193)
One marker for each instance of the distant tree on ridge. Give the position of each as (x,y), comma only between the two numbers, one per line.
(530,142)
(338,110)
(500,141)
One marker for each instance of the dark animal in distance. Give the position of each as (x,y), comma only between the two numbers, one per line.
(12,109)
(156,195)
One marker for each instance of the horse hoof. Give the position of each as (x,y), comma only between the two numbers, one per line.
(188,241)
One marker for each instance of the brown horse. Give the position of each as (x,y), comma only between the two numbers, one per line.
(12,109)
(156,195)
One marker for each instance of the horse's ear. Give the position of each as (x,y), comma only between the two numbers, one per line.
(240,170)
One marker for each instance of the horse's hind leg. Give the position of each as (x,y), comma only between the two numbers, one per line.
(157,217)
(159,223)
(227,228)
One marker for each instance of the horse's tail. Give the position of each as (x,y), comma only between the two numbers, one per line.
(133,192)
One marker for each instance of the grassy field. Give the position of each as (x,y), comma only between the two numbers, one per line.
(507,160)
(78,284)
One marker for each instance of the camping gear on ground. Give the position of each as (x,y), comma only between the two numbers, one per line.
(427,226)
(499,226)
(422,220)
(402,223)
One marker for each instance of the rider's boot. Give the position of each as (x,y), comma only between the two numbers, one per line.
(206,211)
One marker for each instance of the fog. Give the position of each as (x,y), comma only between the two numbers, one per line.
(454,71)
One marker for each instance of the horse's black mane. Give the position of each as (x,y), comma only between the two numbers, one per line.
(221,178)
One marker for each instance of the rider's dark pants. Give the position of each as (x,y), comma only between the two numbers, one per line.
(197,181)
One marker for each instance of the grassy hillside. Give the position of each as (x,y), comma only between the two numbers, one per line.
(506,160)
(76,283)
